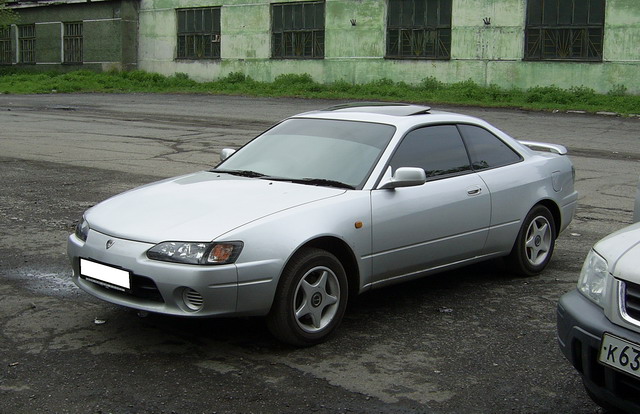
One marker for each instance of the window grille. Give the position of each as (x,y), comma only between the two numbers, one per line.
(27,43)
(419,29)
(73,43)
(297,30)
(5,46)
(564,30)
(199,33)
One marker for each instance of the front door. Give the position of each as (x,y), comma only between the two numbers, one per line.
(441,222)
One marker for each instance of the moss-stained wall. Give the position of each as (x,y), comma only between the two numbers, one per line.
(485,53)
(109,39)
(120,33)
(247,31)
(622,31)
(125,34)
(364,39)
(48,46)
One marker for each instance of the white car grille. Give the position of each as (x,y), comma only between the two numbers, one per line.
(630,302)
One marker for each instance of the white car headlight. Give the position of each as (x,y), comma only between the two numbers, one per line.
(196,253)
(593,278)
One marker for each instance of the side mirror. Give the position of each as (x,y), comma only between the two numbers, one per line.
(226,153)
(405,177)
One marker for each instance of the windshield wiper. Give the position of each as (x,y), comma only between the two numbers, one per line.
(241,173)
(309,181)
(315,181)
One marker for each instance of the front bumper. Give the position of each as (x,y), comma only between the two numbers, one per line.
(581,325)
(168,288)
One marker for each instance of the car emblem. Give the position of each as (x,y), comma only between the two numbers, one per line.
(110,243)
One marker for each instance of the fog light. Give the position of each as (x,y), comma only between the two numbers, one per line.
(192,299)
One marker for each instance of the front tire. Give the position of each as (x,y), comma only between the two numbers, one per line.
(534,245)
(310,300)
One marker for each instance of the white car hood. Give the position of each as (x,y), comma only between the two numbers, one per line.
(622,252)
(197,207)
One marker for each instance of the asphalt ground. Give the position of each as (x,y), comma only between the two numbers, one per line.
(475,340)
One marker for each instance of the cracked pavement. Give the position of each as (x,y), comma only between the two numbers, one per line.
(474,340)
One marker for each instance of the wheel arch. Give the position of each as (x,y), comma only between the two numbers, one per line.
(341,250)
(284,319)
(518,259)
(555,212)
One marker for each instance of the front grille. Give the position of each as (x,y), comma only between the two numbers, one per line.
(631,305)
(145,288)
(141,287)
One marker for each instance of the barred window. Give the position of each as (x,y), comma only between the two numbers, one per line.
(5,46)
(297,30)
(199,33)
(72,43)
(27,43)
(564,30)
(419,29)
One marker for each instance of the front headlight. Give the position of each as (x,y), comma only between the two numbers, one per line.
(82,229)
(593,278)
(196,253)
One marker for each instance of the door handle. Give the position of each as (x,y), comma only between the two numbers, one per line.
(474,191)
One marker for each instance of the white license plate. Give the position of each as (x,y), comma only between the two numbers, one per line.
(101,274)
(620,354)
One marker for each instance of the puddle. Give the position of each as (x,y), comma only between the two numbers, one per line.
(45,283)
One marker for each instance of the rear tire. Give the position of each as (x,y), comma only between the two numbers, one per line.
(534,245)
(310,300)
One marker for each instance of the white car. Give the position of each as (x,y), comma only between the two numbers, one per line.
(599,322)
(323,205)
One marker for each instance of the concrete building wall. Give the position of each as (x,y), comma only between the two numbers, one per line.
(48,44)
(109,38)
(486,54)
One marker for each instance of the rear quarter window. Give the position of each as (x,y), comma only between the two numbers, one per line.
(485,149)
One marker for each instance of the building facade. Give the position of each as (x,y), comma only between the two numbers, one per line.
(508,43)
(70,35)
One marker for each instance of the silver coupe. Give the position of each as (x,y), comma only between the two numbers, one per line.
(325,205)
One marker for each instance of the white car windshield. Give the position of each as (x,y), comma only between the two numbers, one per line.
(314,149)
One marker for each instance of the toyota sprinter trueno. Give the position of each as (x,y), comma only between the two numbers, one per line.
(322,206)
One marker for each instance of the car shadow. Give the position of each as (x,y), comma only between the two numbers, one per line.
(432,295)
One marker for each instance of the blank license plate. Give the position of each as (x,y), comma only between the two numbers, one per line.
(620,354)
(102,274)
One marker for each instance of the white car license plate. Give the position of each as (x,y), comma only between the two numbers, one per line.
(102,274)
(620,354)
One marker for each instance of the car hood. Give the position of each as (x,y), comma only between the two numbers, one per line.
(197,207)
(622,252)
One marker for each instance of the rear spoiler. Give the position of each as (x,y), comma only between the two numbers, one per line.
(558,149)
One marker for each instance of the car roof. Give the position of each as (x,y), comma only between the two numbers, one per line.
(383,108)
(387,113)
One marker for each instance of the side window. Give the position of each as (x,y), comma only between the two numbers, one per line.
(5,45)
(419,29)
(297,30)
(437,149)
(72,42)
(485,149)
(564,30)
(27,43)
(199,33)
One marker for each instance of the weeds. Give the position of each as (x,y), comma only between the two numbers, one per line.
(429,91)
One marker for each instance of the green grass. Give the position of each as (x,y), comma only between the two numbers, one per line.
(429,91)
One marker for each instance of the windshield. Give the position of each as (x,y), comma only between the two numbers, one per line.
(320,149)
